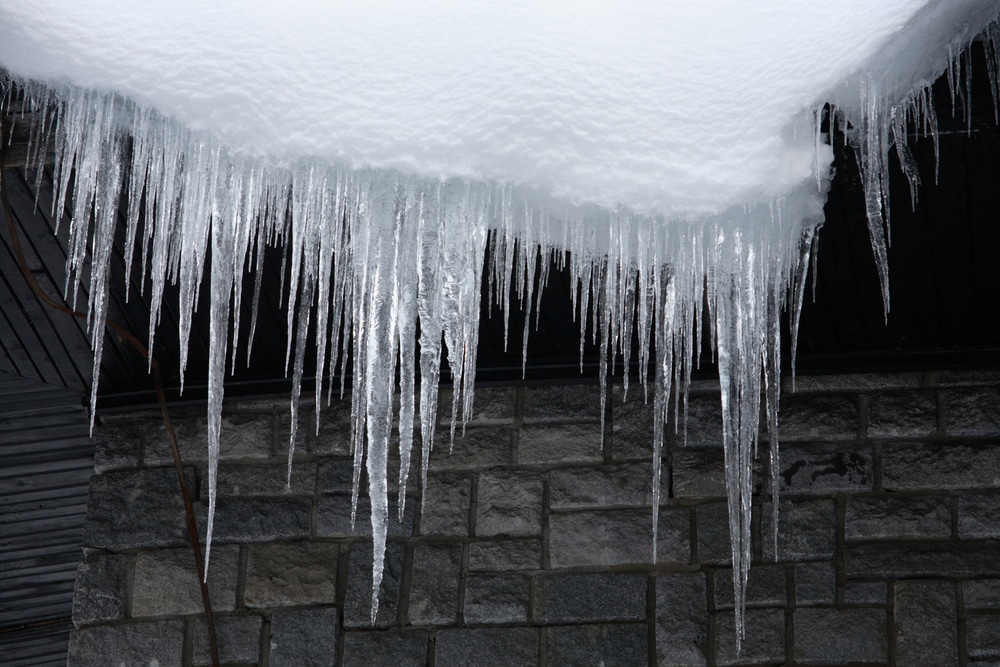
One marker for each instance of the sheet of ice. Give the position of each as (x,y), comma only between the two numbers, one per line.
(674,149)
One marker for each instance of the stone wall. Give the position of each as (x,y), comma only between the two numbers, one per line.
(533,541)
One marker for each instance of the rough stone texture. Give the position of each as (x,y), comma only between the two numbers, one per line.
(699,473)
(304,638)
(898,518)
(926,623)
(238,638)
(99,594)
(616,645)
(259,480)
(573,403)
(617,537)
(490,405)
(578,443)
(243,436)
(981,594)
(983,637)
(603,486)
(381,648)
(910,414)
(133,509)
(978,516)
(434,586)
(505,555)
(940,466)
(446,505)
(815,583)
(713,533)
(840,636)
(576,598)
(487,647)
(703,423)
(825,469)
(256,520)
(358,600)
(510,504)
(764,643)
(333,517)
(497,599)
(870,592)
(166,582)
(286,575)
(816,418)
(160,643)
(478,448)
(765,587)
(923,559)
(681,620)
(117,445)
(632,426)
(806,530)
(972,411)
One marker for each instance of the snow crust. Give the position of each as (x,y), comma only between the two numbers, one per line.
(674,150)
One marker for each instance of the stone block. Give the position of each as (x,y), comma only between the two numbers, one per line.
(978,516)
(406,648)
(627,484)
(866,592)
(892,518)
(135,509)
(973,411)
(358,600)
(565,443)
(940,466)
(713,533)
(701,424)
(243,436)
(496,599)
(618,537)
(585,598)
(334,436)
(510,504)
(981,593)
(851,382)
(681,620)
(256,520)
(765,587)
(926,623)
(911,414)
(336,476)
(631,426)
(304,638)
(477,448)
(764,643)
(117,443)
(434,584)
(238,639)
(818,417)
(815,583)
(166,582)
(291,574)
(922,559)
(611,645)
(490,405)
(825,469)
(99,594)
(505,555)
(569,403)
(840,636)
(982,637)
(446,505)
(486,647)
(698,473)
(806,530)
(158,643)
(333,517)
(269,481)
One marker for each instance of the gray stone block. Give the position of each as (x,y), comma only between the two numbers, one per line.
(818,417)
(256,520)
(336,475)
(978,516)
(505,555)
(866,592)
(496,599)
(486,647)
(681,620)
(701,424)
(840,636)
(510,504)
(566,443)
(160,643)
(166,582)
(851,382)
(381,648)
(304,638)
(922,559)
(926,623)
(890,518)
(261,480)
(627,484)
(911,414)
(612,645)
(584,598)
(358,600)
(764,643)
(573,403)
(698,473)
(333,517)
(446,504)
(981,593)
(825,469)
(135,509)
(434,584)
(940,466)
(713,533)
(973,411)
(477,448)
(99,594)
(765,587)
(334,436)
(618,537)
(631,426)
(243,436)
(983,637)
(238,639)
(117,442)
(490,405)
(806,530)
(815,583)
(291,574)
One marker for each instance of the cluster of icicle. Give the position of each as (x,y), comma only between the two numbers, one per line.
(387,269)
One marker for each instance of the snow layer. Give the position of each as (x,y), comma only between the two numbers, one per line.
(674,149)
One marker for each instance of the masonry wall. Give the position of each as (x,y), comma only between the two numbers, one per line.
(533,541)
